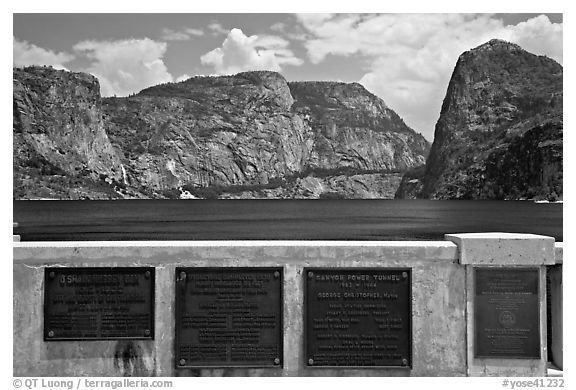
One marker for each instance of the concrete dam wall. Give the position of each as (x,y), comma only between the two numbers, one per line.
(472,305)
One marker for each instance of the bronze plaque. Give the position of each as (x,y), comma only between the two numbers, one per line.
(98,303)
(358,317)
(507,313)
(229,317)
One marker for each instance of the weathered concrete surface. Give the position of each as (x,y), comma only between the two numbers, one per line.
(559,252)
(438,298)
(34,357)
(504,248)
(556,299)
(505,367)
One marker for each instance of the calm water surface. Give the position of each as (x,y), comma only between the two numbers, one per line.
(279,219)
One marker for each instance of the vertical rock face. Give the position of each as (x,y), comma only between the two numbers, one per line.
(58,133)
(354,128)
(254,131)
(231,130)
(229,136)
(499,135)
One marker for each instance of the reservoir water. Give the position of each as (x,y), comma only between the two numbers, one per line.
(279,219)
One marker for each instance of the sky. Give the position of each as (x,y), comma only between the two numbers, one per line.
(405,59)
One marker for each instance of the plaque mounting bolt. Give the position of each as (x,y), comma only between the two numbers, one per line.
(147,332)
(404,274)
(404,362)
(52,274)
(310,362)
(310,275)
(276,274)
(277,361)
(51,333)
(182,275)
(147,274)
(182,362)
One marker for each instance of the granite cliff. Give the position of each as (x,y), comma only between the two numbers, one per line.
(60,146)
(499,135)
(248,135)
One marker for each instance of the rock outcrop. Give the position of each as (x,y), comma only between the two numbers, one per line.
(499,135)
(410,185)
(256,134)
(231,130)
(252,134)
(60,147)
(354,128)
(361,186)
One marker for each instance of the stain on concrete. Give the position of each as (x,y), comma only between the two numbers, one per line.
(128,359)
(439,307)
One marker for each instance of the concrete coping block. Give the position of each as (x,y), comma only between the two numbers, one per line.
(158,251)
(509,249)
(559,252)
(227,244)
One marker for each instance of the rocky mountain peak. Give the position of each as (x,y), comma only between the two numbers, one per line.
(497,93)
(246,135)
(337,94)
(47,75)
(59,139)
(269,79)
(499,74)
(496,44)
(240,90)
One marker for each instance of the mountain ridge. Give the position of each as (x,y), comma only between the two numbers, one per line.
(219,136)
(256,135)
(500,98)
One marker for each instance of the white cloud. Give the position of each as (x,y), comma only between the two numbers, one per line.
(294,32)
(539,35)
(411,56)
(25,54)
(125,66)
(184,35)
(194,31)
(241,53)
(279,27)
(171,35)
(217,29)
(184,77)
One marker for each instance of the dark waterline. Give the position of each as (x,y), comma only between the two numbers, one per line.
(279,219)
